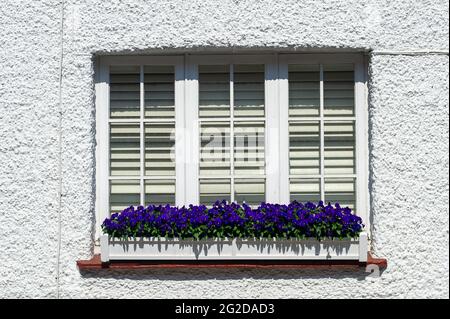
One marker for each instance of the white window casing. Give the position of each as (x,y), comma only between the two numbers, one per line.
(312,148)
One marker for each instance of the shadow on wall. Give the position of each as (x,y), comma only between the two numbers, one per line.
(358,273)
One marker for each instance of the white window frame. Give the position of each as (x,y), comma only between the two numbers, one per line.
(187,148)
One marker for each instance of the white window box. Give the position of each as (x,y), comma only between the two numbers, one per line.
(233,249)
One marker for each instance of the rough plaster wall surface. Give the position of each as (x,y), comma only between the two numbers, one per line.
(408,125)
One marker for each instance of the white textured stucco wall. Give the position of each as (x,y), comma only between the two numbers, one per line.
(409,125)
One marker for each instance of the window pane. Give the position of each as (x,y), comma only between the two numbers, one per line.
(250,191)
(214,189)
(124,149)
(124,92)
(339,90)
(340,190)
(123,193)
(249,90)
(249,148)
(305,190)
(160,149)
(214,91)
(339,147)
(159,88)
(304,90)
(215,148)
(159,192)
(304,148)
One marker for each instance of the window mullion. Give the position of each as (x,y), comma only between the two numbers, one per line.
(322,137)
(231,137)
(180,135)
(192,139)
(281,126)
(142,136)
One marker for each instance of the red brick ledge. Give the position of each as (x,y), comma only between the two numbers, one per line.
(95,264)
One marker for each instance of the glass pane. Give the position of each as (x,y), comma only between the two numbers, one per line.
(305,190)
(304,148)
(340,190)
(339,90)
(249,90)
(159,192)
(214,91)
(249,148)
(215,148)
(159,88)
(123,193)
(160,149)
(250,191)
(124,149)
(304,90)
(124,92)
(214,189)
(339,147)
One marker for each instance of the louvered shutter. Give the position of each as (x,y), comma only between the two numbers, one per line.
(142,135)
(232,123)
(159,134)
(322,133)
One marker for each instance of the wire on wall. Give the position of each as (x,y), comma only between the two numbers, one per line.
(410,52)
(60,110)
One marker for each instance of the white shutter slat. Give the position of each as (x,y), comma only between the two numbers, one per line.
(339,148)
(159,192)
(250,191)
(249,156)
(304,190)
(159,87)
(215,148)
(212,96)
(214,189)
(159,92)
(124,92)
(304,90)
(124,149)
(160,95)
(122,78)
(339,90)
(159,149)
(123,88)
(214,91)
(341,190)
(123,96)
(304,148)
(123,193)
(249,91)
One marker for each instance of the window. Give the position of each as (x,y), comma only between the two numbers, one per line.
(195,128)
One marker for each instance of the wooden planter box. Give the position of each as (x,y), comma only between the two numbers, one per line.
(232,249)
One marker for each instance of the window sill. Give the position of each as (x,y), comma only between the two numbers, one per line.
(95,263)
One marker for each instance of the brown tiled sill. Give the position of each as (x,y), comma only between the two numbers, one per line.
(95,264)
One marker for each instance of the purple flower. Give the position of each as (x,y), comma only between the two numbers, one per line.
(296,220)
